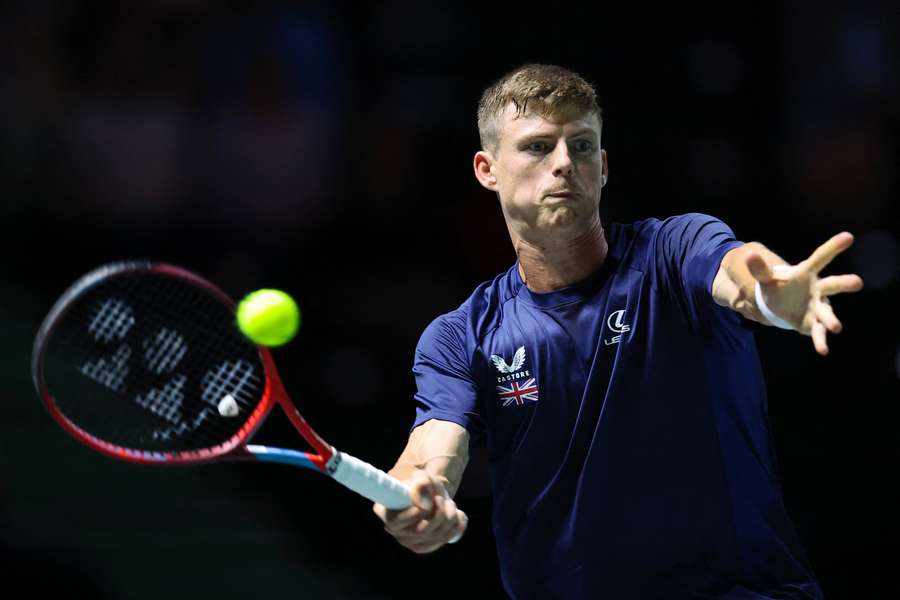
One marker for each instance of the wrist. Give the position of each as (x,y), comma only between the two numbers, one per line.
(767,312)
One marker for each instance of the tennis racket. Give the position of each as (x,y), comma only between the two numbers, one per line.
(144,362)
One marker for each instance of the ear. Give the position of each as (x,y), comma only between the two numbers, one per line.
(605,175)
(484,172)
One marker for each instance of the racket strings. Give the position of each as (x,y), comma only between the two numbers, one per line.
(231,379)
(159,364)
(163,351)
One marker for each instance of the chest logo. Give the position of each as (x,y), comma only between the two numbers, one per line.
(518,361)
(518,393)
(616,323)
(520,385)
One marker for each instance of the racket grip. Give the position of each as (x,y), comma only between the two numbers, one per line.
(371,482)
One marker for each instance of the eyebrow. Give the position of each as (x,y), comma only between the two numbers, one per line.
(538,134)
(583,131)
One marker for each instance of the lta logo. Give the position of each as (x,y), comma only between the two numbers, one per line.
(616,324)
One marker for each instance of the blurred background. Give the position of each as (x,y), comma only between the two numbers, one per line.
(325,149)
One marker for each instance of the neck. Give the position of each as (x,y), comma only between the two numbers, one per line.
(545,268)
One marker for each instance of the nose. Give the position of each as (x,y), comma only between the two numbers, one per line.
(562,162)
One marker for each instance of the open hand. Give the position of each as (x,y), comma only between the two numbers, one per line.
(798,295)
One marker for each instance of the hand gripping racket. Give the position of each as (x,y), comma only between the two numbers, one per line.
(144,362)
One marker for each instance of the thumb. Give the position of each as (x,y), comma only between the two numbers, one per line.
(758,267)
(422,490)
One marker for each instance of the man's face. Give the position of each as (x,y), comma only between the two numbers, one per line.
(547,171)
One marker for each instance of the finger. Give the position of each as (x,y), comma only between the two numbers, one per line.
(422,491)
(449,520)
(428,527)
(398,521)
(825,315)
(405,528)
(412,513)
(758,267)
(450,532)
(818,337)
(839,284)
(380,510)
(424,547)
(452,527)
(461,528)
(416,543)
(446,531)
(413,535)
(825,253)
(404,534)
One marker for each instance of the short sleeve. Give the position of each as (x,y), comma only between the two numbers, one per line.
(689,251)
(442,369)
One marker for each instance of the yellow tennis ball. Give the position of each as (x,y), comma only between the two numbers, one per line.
(268,317)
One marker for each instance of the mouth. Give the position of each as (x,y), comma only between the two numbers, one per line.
(562,194)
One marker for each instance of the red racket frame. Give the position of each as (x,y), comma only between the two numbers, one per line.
(235,448)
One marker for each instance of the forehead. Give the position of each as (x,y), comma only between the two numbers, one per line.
(532,123)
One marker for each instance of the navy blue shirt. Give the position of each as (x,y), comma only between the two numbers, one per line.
(626,424)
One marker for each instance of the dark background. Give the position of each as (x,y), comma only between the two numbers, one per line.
(326,150)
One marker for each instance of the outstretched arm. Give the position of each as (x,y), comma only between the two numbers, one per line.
(793,293)
(432,465)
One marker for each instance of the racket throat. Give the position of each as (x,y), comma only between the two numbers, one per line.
(287,457)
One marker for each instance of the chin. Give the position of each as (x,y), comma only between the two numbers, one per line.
(561,217)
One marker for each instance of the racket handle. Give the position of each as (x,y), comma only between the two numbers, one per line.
(374,484)
(371,482)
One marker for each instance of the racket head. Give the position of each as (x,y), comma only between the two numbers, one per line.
(143,362)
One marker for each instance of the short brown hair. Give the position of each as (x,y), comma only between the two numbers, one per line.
(545,89)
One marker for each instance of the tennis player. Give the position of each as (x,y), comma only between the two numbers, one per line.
(613,375)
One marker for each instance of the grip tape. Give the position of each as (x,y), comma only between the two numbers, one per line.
(371,482)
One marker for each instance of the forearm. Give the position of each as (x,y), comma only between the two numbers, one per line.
(431,465)
(734,285)
(440,448)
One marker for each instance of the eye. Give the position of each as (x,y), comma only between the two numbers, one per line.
(583,146)
(538,147)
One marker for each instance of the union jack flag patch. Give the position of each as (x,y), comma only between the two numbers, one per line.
(518,393)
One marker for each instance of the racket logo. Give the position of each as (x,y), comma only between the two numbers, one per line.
(113,320)
(110,371)
(223,388)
